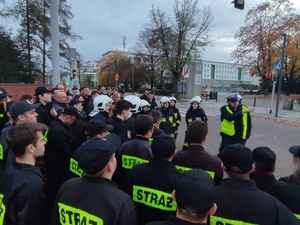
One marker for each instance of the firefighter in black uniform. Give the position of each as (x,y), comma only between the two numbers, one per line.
(135,151)
(238,199)
(151,184)
(4,98)
(236,122)
(195,112)
(291,195)
(23,196)
(94,198)
(59,149)
(167,122)
(195,196)
(177,115)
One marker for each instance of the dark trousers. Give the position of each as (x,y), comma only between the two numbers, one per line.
(225,142)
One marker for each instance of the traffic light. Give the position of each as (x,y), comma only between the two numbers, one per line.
(239,4)
(74,74)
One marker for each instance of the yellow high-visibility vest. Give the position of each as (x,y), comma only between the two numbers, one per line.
(227,127)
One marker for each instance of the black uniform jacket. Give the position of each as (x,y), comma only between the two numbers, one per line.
(241,200)
(151,185)
(167,121)
(90,200)
(290,194)
(172,220)
(192,115)
(119,129)
(131,153)
(196,157)
(44,115)
(58,151)
(23,197)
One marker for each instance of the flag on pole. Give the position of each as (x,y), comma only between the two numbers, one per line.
(185,72)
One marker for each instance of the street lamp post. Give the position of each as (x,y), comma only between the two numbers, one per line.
(132,77)
(280,74)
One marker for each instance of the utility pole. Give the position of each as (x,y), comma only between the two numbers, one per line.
(280,74)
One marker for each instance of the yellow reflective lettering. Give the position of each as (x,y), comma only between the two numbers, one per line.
(183,169)
(70,215)
(75,168)
(153,198)
(1,115)
(2,209)
(129,161)
(222,221)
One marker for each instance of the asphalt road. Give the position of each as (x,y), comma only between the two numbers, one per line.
(265,132)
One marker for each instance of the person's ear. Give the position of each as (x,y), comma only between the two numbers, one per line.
(223,167)
(109,167)
(252,168)
(212,210)
(174,195)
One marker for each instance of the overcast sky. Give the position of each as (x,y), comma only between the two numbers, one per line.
(103,23)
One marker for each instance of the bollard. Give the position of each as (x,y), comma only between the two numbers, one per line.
(216,96)
(206,95)
(254,103)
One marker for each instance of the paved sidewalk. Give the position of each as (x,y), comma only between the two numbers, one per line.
(262,108)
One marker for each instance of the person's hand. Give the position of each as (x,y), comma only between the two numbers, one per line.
(53,112)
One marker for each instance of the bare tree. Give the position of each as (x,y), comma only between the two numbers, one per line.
(260,39)
(178,39)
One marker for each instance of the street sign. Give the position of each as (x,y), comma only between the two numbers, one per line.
(277,65)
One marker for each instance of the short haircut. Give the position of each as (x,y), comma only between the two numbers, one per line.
(22,135)
(94,92)
(142,124)
(26,97)
(197,131)
(81,88)
(156,115)
(122,105)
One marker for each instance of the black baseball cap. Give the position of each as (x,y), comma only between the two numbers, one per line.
(94,127)
(93,155)
(264,157)
(20,107)
(195,191)
(163,146)
(295,150)
(237,158)
(41,90)
(71,110)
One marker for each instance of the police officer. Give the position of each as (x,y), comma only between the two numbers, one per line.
(94,198)
(167,122)
(195,112)
(4,98)
(151,184)
(238,199)
(236,122)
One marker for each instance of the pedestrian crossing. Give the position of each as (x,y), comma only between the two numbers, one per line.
(208,111)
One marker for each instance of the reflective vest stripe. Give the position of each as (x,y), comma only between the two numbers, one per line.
(153,198)
(215,220)
(1,152)
(297,215)
(70,215)
(1,115)
(227,127)
(129,161)
(183,169)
